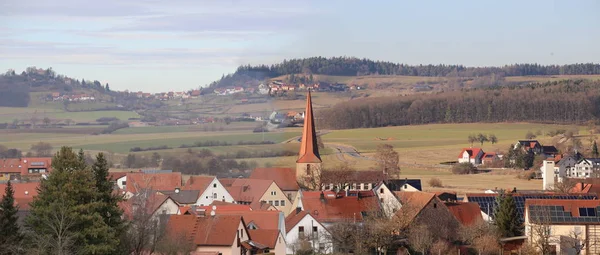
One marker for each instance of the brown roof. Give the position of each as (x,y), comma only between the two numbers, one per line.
(293,219)
(21,165)
(218,230)
(309,150)
(198,183)
(267,237)
(466,213)
(413,203)
(183,196)
(334,207)
(136,182)
(116,175)
(249,190)
(284,177)
(262,219)
(21,190)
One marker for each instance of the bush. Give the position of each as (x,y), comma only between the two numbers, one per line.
(526,175)
(435,182)
(107,119)
(464,168)
(114,127)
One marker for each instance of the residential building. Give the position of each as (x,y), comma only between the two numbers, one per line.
(272,239)
(351,180)
(568,224)
(530,145)
(467,214)
(309,160)
(255,192)
(489,158)
(329,207)
(210,189)
(566,165)
(585,168)
(285,178)
(387,199)
(139,182)
(16,168)
(119,178)
(404,184)
(149,203)
(302,227)
(471,155)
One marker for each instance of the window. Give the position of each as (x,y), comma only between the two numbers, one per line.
(315,229)
(585,212)
(214,185)
(271,202)
(214,195)
(301,229)
(381,190)
(123,183)
(273,193)
(276,202)
(434,205)
(282,202)
(206,197)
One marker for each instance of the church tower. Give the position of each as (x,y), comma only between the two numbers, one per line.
(308,165)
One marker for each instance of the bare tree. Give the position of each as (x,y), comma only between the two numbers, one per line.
(340,177)
(145,228)
(42,149)
(577,241)
(345,236)
(61,241)
(565,186)
(481,235)
(420,237)
(379,233)
(387,159)
(541,229)
(174,244)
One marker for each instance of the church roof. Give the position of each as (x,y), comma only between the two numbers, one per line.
(309,150)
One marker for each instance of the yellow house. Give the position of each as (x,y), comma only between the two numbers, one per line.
(254,191)
(562,226)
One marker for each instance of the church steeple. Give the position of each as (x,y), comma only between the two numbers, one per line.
(309,149)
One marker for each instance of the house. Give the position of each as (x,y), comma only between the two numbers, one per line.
(489,158)
(285,178)
(351,180)
(210,189)
(404,184)
(256,219)
(149,203)
(585,168)
(182,197)
(254,191)
(471,155)
(301,227)
(550,151)
(15,168)
(466,213)
(329,207)
(139,182)
(428,210)
(566,165)
(222,234)
(272,239)
(530,145)
(119,178)
(567,224)
(387,199)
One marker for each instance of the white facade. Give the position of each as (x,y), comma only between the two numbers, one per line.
(548,174)
(167,207)
(475,159)
(214,192)
(584,168)
(389,202)
(121,182)
(313,231)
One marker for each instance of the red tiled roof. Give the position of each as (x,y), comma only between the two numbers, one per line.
(293,219)
(466,213)
(137,182)
(249,190)
(569,205)
(472,152)
(150,204)
(413,203)
(116,175)
(21,165)
(262,219)
(227,182)
(309,150)
(284,177)
(218,230)
(22,190)
(334,208)
(267,237)
(198,183)
(23,203)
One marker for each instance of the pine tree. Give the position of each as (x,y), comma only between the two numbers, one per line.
(506,217)
(595,150)
(109,208)
(66,212)
(10,234)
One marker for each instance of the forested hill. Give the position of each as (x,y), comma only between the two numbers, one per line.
(349,66)
(15,88)
(553,102)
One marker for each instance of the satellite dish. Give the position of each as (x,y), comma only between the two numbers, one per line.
(44,176)
(212,213)
(176,190)
(26,192)
(214,207)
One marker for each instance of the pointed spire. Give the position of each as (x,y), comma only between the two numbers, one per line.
(309,150)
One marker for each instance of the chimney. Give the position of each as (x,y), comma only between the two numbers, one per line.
(201,212)
(322,197)
(514,190)
(298,210)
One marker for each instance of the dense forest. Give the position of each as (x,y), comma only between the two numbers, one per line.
(350,66)
(556,102)
(15,88)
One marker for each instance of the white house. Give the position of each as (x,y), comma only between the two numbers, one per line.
(585,167)
(389,202)
(303,227)
(471,155)
(210,190)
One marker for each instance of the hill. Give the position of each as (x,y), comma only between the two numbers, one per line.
(350,66)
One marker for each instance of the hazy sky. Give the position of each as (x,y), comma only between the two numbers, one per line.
(154,45)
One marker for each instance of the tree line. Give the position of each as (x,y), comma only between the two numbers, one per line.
(352,66)
(555,102)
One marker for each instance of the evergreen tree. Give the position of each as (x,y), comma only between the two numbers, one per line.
(506,217)
(10,235)
(595,150)
(66,212)
(109,208)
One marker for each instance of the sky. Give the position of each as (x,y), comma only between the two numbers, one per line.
(173,45)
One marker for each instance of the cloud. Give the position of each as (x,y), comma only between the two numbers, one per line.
(75,8)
